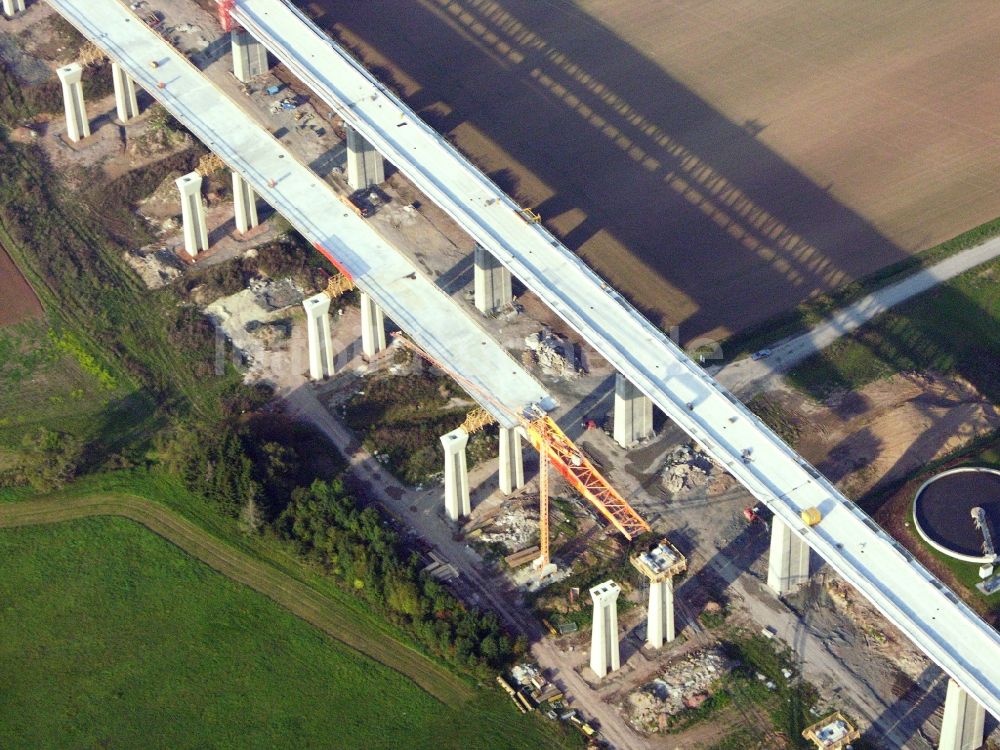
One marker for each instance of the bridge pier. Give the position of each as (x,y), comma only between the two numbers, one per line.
(660,618)
(317,310)
(71,78)
(511,460)
(365,165)
(962,727)
(12,7)
(244,204)
(193,214)
(788,561)
(490,282)
(372,326)
(633,413)
(456,474)
(125,101)
(249,56)
(604,652)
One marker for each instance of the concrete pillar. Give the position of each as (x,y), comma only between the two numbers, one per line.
(317,310)
(963,724)
(660,621)
(372,327)
(456,474)
(633,413)
(365,166)
(193,214)
(12,7)
(490,281)
(604,654)
(244,204)
(249,56)
(125,101)
(77,125)
(788,562)
(511,460)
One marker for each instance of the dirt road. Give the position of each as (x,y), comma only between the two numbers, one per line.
(422,510)
(290,593)
(747,377)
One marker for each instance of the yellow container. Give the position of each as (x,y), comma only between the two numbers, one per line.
(811,516)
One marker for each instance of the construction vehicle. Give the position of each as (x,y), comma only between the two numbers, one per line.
(554,448)
(833,732)
(512,693)
(811,516)
(753,515)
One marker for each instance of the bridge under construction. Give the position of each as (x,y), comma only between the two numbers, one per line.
(510,241)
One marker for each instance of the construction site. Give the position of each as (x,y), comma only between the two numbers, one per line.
(665,604)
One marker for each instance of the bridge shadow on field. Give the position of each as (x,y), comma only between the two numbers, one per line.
(696,220)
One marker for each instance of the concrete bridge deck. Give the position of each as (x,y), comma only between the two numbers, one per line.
(436,322)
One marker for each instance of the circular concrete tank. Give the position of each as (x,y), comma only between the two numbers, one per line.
(942,510)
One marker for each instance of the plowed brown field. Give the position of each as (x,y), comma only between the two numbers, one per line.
(718,160)
(17,299)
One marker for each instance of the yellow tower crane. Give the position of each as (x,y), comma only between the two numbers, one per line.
(557,450)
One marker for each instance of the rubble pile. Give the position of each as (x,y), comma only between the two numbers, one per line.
(156,267)
(687,467)
(686,684)
(255,320)
(514,528)
(553,353)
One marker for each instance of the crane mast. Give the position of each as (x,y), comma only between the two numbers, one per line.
(557,450)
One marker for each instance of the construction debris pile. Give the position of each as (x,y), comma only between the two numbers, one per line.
(688,467)
(255,320)
(553,353)
(514,527)
(686,684)
(156,265)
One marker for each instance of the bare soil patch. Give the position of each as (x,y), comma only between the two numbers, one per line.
(19,300)
(889,429)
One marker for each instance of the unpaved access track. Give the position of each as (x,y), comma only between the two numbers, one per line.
(293,595)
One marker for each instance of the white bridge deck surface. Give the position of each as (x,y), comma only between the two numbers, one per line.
(435,321)
(929,613)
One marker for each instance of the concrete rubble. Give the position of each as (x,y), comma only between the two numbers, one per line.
(685,684)
(157,266)
(515,527)
(688,467)
(257,320)
(553,353)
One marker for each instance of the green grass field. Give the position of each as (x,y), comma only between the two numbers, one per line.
(815,310)
(42,384)
(113,637)
(954,328)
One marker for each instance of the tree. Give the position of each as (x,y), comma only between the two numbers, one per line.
(251,519)
(49,459)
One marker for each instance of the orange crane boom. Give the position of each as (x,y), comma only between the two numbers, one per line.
(577,469)
(555,448)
